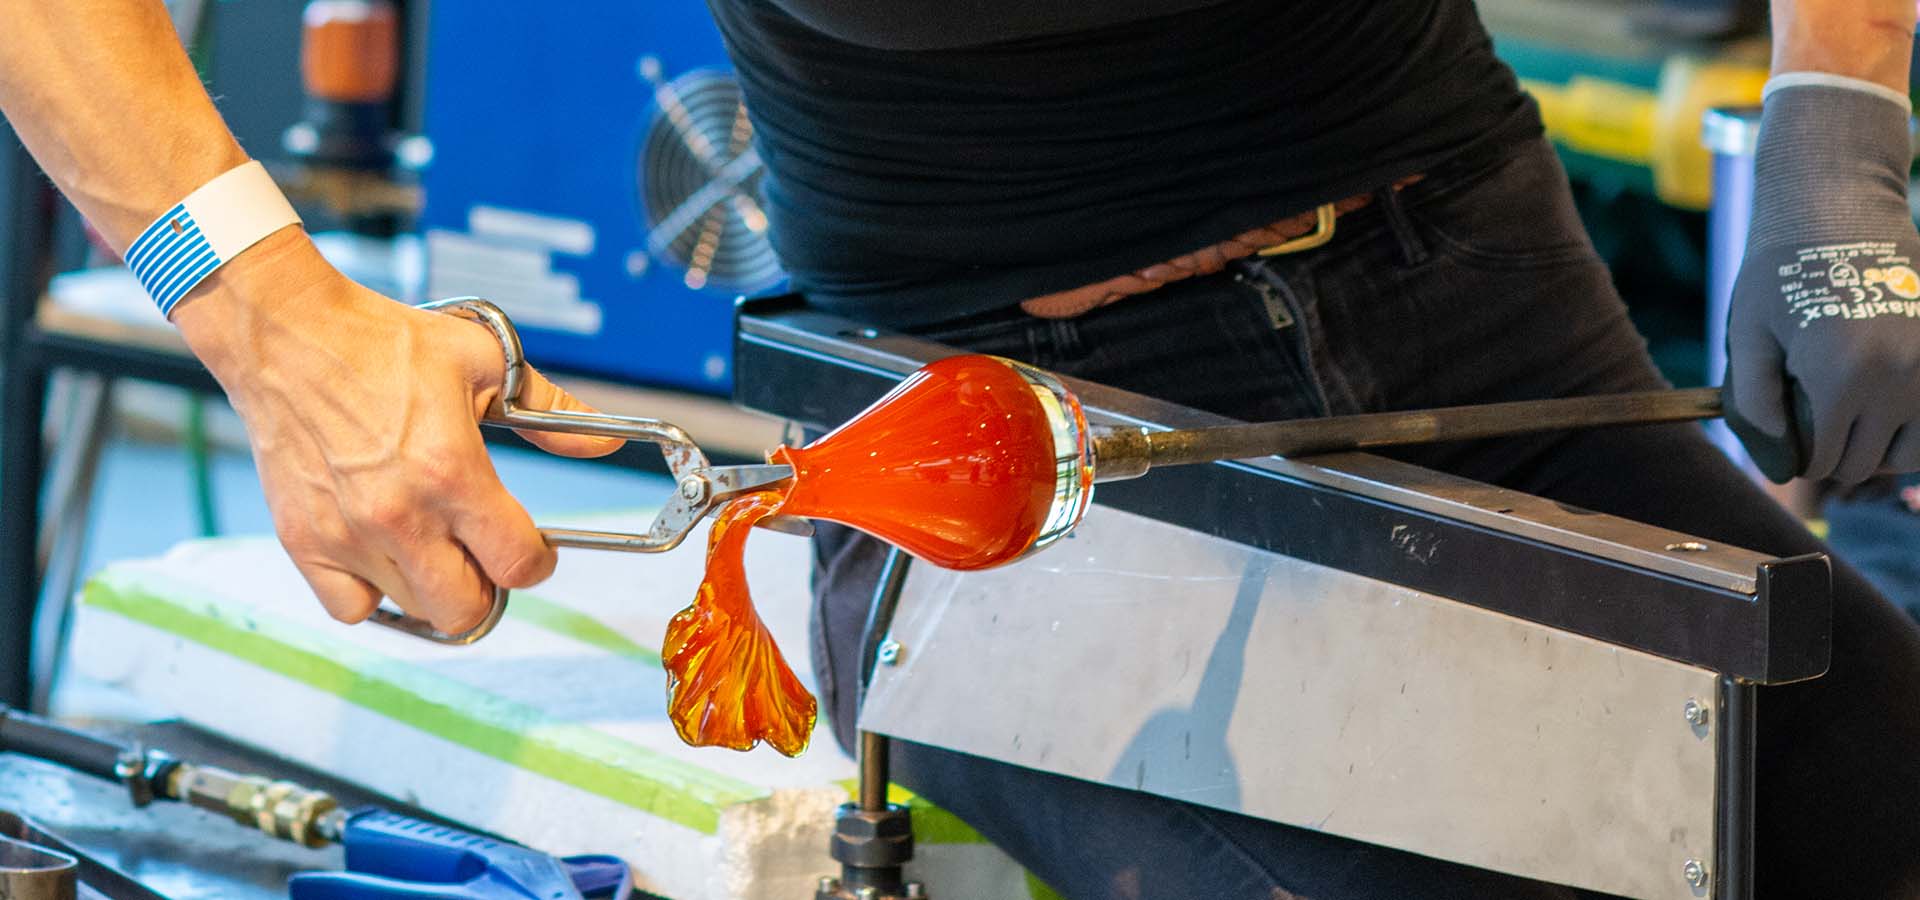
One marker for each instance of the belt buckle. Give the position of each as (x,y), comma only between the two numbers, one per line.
(1323,219)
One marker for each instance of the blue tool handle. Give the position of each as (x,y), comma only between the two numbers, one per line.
(383,843)
(391,857)
(595,876)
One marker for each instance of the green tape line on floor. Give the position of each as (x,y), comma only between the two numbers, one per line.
(511,732)
(569,622)
(931,824)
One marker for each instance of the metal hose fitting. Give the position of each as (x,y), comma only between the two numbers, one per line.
(278,808)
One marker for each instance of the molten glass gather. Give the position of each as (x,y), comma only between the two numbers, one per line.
(971,462)
(727,684)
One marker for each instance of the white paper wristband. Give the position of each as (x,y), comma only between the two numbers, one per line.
(232,212)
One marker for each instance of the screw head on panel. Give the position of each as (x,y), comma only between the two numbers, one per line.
(1694,872)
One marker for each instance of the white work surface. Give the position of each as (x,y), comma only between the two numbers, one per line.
(551,731)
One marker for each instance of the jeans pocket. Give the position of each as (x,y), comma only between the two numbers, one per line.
(1514,214)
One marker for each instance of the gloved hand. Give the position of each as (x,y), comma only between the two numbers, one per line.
(1823,341)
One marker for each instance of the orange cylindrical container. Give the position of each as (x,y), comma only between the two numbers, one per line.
(349,50)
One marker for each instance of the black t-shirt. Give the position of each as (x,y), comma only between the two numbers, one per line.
(929,159)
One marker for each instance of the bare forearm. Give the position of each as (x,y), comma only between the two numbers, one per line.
(1867,39)
(361,411)
(105,99)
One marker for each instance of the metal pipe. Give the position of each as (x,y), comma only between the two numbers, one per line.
(1121,453)
(886,600)
(1738,745)
(875,759)
(23,396)
(23,384)
(69,505)
(873,749)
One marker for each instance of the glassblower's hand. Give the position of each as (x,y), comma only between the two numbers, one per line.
(362,414)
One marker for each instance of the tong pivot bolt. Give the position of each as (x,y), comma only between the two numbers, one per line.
(694,489)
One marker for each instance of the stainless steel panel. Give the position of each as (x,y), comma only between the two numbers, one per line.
(1148,656)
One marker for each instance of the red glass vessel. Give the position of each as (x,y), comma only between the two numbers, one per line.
(971,462)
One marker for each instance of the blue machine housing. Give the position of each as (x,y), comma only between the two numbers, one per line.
(561,136)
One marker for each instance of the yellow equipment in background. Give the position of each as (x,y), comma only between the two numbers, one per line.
(1622,86)
(1657,127)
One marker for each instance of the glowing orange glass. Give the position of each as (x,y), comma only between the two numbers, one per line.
(971,462)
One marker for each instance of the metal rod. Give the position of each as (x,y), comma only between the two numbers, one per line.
(873,839)
(79,451)
(23,384)
(873,748)
(886,600)
(1738,745)
(77,394)
(875,766)
(22,391)
(1132,452)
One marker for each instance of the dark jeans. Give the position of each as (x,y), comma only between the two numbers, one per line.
(1877,527)
(1475,285)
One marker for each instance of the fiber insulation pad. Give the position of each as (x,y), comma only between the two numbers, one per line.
(551,731)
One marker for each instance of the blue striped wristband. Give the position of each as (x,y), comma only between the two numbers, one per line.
(211,226)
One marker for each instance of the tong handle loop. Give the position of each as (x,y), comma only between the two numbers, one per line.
(408,623)
(684,459)
(557,537)
(683,456)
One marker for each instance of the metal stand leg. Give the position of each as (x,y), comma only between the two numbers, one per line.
(75,463)
(23,396)
(78,402)
(23,385)
(1738,743)
(873,839)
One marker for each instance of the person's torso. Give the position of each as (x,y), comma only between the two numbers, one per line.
(928,159)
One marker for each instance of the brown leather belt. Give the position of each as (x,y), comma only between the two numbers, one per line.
(1293,234)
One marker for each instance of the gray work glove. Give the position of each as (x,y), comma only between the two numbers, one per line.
(1823,340)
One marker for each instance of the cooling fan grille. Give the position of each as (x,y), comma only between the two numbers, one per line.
(700,184)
